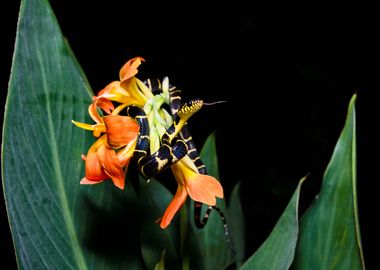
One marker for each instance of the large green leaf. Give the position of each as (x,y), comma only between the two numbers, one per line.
(277,252)
(329,230)
(154,200)
(213,244)
(235,217)
(56,223)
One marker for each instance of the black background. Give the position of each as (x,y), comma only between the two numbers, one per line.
(287,74)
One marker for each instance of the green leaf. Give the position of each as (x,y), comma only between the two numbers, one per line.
(277,252)
(154,198)
(235,217)
(329,230)
(209,156)
(213,244)
(56,223)
(161,264)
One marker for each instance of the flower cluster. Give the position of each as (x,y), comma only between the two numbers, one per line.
(110,154)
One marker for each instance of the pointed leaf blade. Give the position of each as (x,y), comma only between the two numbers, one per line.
(277,252)
(56,223)
(213,244)
(329,230)
(236,225)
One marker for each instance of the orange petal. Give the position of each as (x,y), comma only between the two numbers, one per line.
(94,170)
(176,203)
(86,181)
(130,68)
(111,165)
(204,189)
(94,113)
(107,89)
(115,92)
(121,130)
(105,104)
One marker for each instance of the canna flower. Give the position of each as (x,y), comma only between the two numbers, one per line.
(111,153)
(201,188)
(128,90)
(109,156)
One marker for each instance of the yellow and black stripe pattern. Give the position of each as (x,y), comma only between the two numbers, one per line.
(180,132)
(143,141)
(173,147)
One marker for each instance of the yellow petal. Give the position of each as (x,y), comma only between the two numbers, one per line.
(133,90)
(147,92)
(99,129)
(113,91)
(188,163)
(126,153)
(83,125)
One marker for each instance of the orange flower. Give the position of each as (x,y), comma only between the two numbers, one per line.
(112,152)
(201,188)
(128,90)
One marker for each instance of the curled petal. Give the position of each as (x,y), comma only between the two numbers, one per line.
(115,92)
(111,165)
(105,104)
(134,91)
(86,181)
(99,129)
(176,203)
(204,189)
(94,169)
(130,68)
(146,91)
(92,110)
(121,130)
(83,125)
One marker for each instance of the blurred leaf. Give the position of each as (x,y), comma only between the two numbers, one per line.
(329,230)
(209,156)
(161,264)
(235,217)
(213,245)
(277,252)
(56,223)
(154,198)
